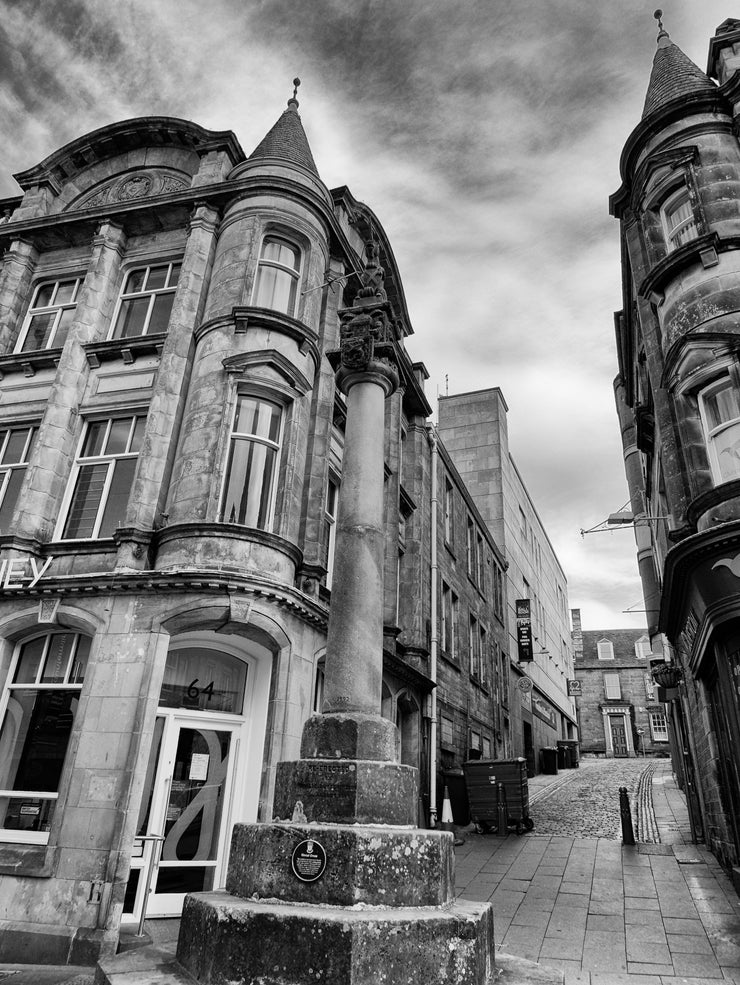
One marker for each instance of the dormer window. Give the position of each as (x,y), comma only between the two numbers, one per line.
(278,275)
(719,406)
(679,220)
(605,650)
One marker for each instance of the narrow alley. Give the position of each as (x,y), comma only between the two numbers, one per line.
(571,896)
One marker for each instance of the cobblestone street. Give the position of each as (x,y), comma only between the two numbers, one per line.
(570,896)
(585,802)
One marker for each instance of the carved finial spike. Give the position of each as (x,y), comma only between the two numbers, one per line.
(293,101)
(662,33)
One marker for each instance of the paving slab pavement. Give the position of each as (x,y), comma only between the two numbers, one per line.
(661,912)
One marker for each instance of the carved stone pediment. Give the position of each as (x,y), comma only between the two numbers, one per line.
(131,186)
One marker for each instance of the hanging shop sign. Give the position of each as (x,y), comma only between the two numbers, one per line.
(524,630)
(22,572)
(574,689)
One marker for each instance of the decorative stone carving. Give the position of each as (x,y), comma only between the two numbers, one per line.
(132,186)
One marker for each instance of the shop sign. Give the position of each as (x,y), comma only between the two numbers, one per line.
(574,688)
(309,860)
(524,684)
(543,711)
(22,572)
(524,630)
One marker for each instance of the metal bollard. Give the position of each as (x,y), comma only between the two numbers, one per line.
(628,835)
(502,814)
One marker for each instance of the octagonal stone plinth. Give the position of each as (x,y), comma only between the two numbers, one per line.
(367,865)
(350,736)
(346,791)
(224,939)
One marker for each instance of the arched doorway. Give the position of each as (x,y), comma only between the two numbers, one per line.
(203,770)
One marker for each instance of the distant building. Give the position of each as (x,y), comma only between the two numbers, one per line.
(678,398)
(474,429)
(619,713)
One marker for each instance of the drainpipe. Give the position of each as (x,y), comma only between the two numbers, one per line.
(432,437)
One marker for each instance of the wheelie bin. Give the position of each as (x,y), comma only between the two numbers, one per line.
(483,778)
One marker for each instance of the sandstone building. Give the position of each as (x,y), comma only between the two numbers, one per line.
(474,429)
(171,457)
(618,710)
(678,398)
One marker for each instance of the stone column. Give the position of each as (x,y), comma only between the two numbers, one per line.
(15,283)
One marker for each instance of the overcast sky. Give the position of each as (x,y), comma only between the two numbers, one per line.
(484,134)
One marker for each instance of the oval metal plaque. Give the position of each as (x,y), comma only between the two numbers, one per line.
(309,860)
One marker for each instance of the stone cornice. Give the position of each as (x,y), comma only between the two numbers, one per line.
(683,257)
(178,581)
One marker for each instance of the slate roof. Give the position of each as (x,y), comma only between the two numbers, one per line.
(623,641)
(674,75)
(287,141)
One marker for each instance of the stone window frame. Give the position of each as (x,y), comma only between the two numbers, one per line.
(640,651)
(448,511)
(152,294)
(730,379)
(288,236)
(106,458)
(16,836)
(449,618)
(658,726)
(277,398)
(667,175)
(35,310)
(679,230)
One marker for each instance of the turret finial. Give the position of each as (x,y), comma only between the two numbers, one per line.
(293,101)
(662,33)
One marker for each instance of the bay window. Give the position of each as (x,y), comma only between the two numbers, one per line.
(102,477)
(50,315)
(252,468)
(719,407)
(278,275)
(146,301)
(38,710)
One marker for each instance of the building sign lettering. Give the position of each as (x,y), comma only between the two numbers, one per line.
(524,630)
(574,688)
(543,711)
(22,572)
(309,860)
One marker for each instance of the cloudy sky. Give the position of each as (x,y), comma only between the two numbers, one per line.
(485,135)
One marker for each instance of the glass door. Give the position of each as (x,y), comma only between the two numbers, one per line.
(187,802)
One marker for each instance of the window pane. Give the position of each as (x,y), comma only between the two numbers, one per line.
(727,446)
(722,406)
(7,507)
(44,296)
(79,664)
(118,494)
(94,438)
(135,281)
(157,278)
(275,289)
(62,330)
(117,442)
(16,446)
(199,677)
(34,736)
(131,318)
(138,435)
(161,313)
(249,483)
(26,813)
(174,275)
(83,509)
(57,658)
(258,417)
(65,292)
(39,331)
(279,251)
(29,661)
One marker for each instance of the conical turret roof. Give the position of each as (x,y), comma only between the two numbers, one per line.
(674,75)
(287,140)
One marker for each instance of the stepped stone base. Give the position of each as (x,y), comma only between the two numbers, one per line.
(379,866)
(224,939)
(347,791)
